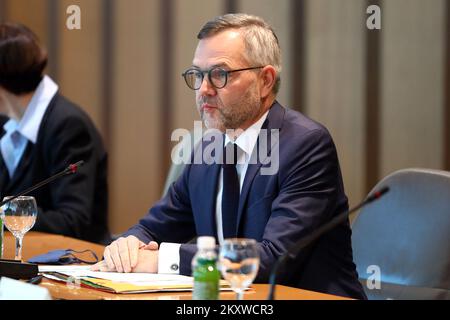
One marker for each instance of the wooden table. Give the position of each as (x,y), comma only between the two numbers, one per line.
(36,243)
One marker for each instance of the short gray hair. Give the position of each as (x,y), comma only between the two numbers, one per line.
(261,42)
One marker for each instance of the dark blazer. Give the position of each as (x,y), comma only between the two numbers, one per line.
(74,205)
(276,210)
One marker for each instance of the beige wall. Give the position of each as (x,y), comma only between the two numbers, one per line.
(134,166)
(412,84)
(279,16)
(412,74)
(335,82)
(79,58)
(33,12)
(188,21)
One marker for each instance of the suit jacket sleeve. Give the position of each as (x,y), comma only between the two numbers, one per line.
(170,219)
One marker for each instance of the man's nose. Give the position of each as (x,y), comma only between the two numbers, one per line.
(206,88)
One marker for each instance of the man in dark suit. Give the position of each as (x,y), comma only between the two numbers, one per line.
(286,192)
(41,133)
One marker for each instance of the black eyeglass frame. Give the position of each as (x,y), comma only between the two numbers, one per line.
(184,75)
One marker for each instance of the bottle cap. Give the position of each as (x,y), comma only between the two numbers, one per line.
(206,242)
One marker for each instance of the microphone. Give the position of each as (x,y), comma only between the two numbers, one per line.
(71,169)
(22,270)
(306,241)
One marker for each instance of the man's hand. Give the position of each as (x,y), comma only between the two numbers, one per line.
(129,255)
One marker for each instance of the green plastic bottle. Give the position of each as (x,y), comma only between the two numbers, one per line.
(204,270)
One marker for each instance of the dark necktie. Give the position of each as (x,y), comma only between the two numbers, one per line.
(230,194)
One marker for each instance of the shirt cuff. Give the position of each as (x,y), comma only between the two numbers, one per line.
(169,258)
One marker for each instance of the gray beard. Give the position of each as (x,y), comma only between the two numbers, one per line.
(248,108)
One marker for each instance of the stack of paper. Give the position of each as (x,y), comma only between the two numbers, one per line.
(119,282)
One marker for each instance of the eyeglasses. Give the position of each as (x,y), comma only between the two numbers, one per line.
(217,76)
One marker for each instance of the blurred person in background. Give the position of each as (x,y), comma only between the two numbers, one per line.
(41,133)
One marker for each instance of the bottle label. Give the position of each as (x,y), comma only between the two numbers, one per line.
(205,290)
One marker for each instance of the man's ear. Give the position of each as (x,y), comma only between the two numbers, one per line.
(268,77)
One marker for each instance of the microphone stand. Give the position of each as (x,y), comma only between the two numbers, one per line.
(69,170)
(17,269)
(309,239)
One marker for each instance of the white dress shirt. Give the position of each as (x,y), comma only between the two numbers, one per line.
(14,141)
(169,256)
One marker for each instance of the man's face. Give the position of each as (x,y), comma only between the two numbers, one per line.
(238,104)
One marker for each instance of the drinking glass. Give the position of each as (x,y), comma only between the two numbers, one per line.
(19,216)
(239,263)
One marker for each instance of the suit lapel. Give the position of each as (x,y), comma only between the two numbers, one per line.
(22,167)
(4,179)
(4,175)
(212,174)
(29,154)
(208,192)
(273,121)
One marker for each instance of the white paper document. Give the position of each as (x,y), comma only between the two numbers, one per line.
(143,279)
